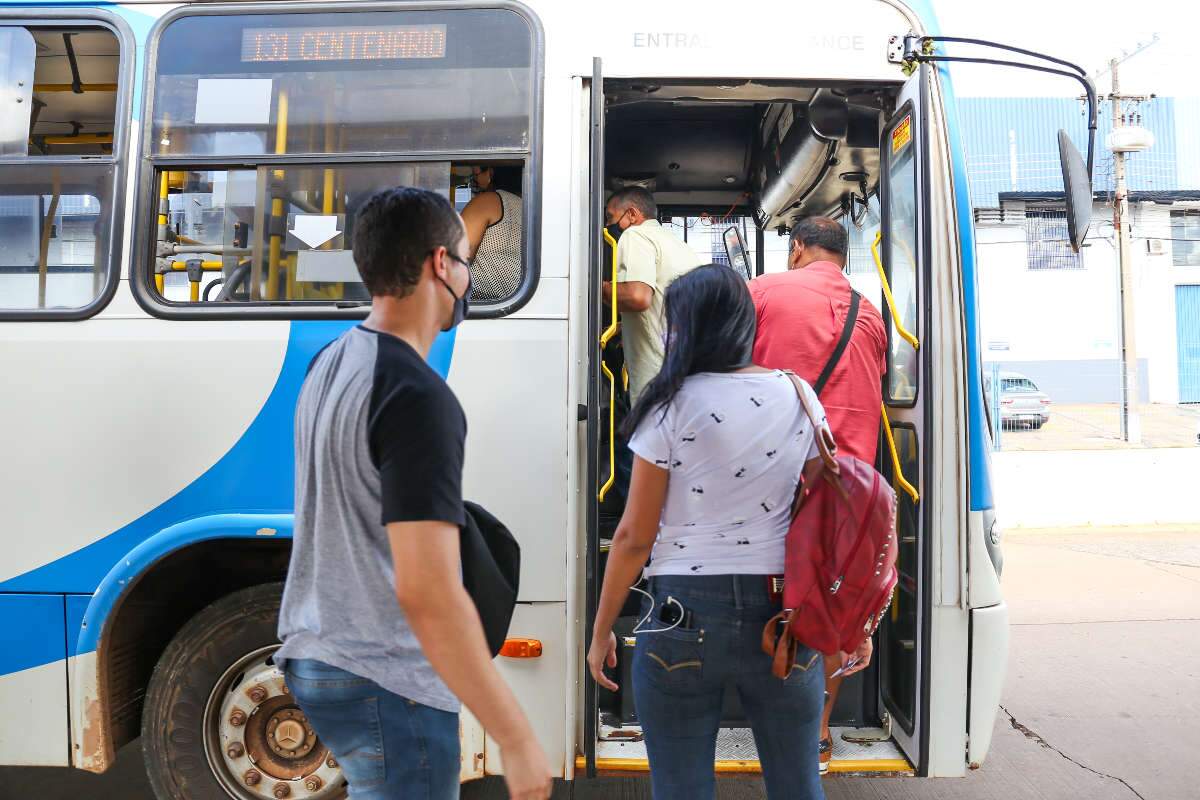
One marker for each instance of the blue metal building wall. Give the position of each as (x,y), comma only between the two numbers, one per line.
(1034,122)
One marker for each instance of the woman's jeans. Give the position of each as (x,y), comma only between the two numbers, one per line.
(389,747)
(679,679)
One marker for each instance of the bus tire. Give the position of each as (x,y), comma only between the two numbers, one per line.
(218,658)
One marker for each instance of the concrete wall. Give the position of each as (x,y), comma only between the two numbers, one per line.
(1096,487)
(1061,327)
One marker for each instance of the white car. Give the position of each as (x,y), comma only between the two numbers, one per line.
(1021,401)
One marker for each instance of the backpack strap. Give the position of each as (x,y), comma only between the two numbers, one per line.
(847,332)
(824,437)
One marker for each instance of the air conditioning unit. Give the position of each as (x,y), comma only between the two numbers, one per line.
(1156,247)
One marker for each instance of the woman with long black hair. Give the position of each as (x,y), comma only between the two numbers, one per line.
(720,445)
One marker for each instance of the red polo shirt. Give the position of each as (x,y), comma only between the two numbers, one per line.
(801,314)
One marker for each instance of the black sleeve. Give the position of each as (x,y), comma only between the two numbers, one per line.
(416,439)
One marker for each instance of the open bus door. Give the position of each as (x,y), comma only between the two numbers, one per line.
(903,249)
(591,703)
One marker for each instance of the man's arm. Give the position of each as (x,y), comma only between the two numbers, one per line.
(425,556)
(631,295)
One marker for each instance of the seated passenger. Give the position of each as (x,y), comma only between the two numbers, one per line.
(493,220)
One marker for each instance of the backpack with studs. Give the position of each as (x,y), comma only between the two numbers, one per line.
(840,557)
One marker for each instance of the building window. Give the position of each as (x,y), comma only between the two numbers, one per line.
(1185,238)
(1047,241)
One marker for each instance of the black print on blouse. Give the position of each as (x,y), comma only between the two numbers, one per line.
(757,402)
(771,453)
(743,541)
(697,490)
(697,567)
(689,437)
(660,462)
(717,417)
(740,473)
(689,525)
(739,522)
(676,464)
(767,505)
(719,535)
(680,545)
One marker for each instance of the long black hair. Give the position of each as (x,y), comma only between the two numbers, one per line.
(711,324)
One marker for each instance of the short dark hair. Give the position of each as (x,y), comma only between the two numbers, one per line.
(394,232)
(635,197)
(507,177)
(823,232)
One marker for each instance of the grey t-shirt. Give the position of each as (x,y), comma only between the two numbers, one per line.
(379,439)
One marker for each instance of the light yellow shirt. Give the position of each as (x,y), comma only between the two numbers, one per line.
(653,255)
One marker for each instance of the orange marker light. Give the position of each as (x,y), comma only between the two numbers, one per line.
(521,648)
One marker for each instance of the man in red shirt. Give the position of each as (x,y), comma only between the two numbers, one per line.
(801,316)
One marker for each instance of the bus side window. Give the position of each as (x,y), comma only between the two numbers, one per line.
(900,252)
(323,109)
(59,168)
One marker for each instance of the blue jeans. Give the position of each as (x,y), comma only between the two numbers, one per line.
(388,747)
(679,679)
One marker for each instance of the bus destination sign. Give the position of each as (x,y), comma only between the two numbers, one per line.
(365,43)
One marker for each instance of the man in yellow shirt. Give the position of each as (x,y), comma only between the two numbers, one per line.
(649,258)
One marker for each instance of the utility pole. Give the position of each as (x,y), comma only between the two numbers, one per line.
(1131,426)
(1133,140)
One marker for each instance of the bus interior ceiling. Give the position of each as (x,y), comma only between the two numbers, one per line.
(773,152)
(75,80)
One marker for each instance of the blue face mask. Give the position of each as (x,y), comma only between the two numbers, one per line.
(462,304)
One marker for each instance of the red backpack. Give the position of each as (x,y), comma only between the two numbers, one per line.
(840,558)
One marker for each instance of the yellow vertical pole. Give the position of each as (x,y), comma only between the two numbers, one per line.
(276,240)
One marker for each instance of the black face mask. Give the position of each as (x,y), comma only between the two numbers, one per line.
(614,230)
(461,304)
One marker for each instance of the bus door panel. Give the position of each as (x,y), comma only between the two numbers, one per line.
(903,257)
(593,470)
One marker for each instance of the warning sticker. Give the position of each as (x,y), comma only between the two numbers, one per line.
(902,135)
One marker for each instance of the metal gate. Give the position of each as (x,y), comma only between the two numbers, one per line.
(1187,327)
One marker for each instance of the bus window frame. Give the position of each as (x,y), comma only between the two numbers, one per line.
(145,197)
(118,159)
(885,202)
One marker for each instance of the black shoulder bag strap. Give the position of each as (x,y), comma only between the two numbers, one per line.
(847,331)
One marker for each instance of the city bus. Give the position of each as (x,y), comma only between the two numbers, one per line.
(178,184)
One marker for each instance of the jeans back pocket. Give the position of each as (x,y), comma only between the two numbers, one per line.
(670,659)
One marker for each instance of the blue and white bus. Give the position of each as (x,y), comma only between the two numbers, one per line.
(177,186)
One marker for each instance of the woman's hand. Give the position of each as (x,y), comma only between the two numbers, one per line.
(603,653)
(859,660)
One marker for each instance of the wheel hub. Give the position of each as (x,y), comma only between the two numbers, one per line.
(260,744)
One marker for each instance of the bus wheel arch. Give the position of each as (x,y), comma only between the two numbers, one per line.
(150,607)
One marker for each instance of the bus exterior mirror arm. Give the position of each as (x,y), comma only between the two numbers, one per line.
(919,49)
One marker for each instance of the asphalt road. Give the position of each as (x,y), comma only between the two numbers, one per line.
(1102,695)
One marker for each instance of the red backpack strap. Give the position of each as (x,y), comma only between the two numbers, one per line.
(825,441)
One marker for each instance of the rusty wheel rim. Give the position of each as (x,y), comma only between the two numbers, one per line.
(257,740)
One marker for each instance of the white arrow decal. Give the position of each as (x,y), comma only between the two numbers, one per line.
(314,229)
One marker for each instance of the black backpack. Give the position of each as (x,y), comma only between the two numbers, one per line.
(491,571)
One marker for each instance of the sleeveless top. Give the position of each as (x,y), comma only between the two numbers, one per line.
(496,271)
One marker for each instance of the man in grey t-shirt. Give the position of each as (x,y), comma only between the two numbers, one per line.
(380,639)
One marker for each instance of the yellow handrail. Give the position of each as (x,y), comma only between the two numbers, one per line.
(908,488)
(605,338)
(887,293)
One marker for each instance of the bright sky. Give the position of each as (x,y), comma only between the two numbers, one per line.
(1088,32)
